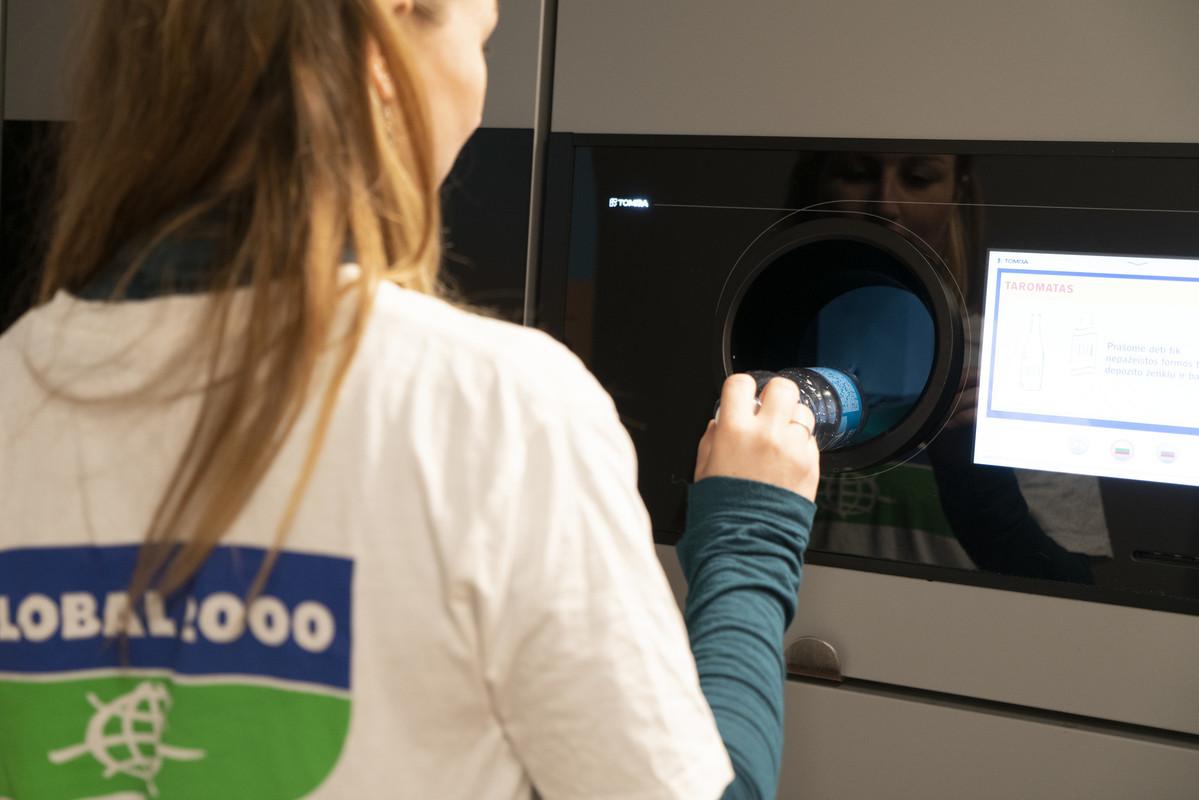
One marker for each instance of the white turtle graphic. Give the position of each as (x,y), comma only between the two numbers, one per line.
(133,725)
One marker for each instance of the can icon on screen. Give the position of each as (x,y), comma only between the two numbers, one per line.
(1168,455)
(1122,450)
(1032,357)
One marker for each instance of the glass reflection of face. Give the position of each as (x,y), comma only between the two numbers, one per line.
(901,188)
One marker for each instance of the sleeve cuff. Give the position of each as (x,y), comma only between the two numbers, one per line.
(736,499)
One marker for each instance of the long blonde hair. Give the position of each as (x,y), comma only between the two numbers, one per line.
(261,113)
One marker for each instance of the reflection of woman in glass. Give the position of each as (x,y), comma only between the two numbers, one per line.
(930,198)
(940,508)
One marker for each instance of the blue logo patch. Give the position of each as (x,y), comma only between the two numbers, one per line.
(62,610)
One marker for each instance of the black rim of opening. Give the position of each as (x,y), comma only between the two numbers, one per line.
(931,283)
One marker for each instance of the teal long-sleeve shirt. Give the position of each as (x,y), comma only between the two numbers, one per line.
(742,555)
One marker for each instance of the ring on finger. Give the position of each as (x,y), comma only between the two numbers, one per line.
(802,425)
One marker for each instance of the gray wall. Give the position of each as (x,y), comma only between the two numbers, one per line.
(39,47)
(883,740)
(1089,659)
(1110,70)
(846,743)
(3,61)
(512,61)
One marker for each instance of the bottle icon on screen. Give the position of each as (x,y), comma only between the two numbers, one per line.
(1083,344)
(1032,357)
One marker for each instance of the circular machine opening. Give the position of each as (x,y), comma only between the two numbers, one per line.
(860,299)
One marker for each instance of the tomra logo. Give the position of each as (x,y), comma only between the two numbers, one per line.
(180,697)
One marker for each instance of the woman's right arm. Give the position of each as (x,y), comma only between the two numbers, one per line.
(584,650)
(748,520)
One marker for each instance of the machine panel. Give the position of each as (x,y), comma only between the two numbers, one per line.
(671,262)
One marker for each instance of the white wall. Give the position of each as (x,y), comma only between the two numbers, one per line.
(1107,70)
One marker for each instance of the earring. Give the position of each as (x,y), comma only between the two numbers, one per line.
(388,116)
(383,83)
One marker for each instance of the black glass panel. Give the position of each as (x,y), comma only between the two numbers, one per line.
(486,215)
(679,259)
(485,205)
(28,167)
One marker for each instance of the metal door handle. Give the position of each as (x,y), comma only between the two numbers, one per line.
(809,657)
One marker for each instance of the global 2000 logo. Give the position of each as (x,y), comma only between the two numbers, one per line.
(206,697)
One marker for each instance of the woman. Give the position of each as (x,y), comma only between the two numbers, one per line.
(279,528)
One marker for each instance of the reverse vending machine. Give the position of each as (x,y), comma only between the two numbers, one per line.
(991,227)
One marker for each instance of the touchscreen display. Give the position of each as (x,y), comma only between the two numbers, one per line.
(1090,365)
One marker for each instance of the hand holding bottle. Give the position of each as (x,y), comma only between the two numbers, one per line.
(770,443)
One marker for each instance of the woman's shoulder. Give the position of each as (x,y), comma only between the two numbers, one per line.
(464,347)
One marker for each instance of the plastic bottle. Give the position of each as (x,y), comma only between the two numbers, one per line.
(834,398)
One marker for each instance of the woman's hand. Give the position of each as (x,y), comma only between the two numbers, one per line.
(771,444)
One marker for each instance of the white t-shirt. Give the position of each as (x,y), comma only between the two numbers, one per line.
(467,606)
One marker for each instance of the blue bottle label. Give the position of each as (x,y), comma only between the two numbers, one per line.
(851,399)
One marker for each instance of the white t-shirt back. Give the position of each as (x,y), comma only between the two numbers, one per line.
(467,606)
